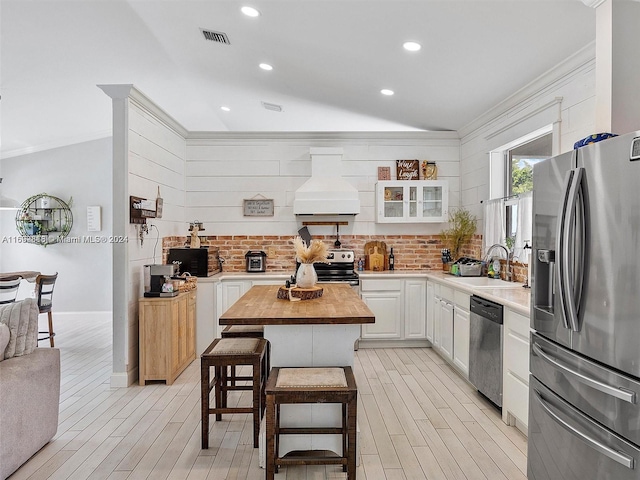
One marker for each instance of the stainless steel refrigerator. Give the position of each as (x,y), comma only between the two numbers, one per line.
(584,404)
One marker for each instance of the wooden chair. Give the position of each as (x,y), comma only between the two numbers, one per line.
(9,289)
(246,331)
(221,354)
(44,297)
(311,385)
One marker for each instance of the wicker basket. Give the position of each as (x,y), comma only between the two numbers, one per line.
(189,283)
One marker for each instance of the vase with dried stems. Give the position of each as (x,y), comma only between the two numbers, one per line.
(462,228)
(307,255)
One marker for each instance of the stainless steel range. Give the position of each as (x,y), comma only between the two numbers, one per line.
(340,269)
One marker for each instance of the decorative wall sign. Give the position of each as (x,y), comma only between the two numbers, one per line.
(258,207)
(384,173)
(408,169)
(159,204)
(429,170)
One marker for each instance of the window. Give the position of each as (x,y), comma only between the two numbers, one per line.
(508,212)
(519,175)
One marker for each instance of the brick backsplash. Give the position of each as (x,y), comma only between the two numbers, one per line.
(412,252)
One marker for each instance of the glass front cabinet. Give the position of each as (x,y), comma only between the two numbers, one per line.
(412,201)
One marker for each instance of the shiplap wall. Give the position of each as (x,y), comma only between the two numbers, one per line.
(156,159)
(223,169)
(564,95)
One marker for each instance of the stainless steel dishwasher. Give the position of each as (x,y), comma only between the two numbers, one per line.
(485,348)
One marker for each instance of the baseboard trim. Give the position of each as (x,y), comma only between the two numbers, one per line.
(85,316)
(124,379)
(367,343)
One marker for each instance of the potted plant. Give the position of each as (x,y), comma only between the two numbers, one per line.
(462,228)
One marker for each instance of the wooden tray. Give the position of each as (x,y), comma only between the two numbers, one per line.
(301,293)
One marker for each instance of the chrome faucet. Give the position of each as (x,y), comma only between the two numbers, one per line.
(487,258)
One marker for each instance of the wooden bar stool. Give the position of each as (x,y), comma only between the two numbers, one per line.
(223,353)
(246,331)
(312,385)
(44,297)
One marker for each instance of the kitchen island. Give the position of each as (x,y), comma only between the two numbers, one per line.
(319,332)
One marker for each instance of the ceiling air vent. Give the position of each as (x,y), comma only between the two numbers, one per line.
(272,106)
(215,36)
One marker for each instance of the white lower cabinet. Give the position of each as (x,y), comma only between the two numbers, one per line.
(461,340)
(415,326)
(515,380)
(232,290)
(206,319)
(228,291)
(387,307)
(446,329)
(399,307)
(431,294)
(448,324)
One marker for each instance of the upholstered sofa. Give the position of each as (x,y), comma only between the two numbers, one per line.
(29,387)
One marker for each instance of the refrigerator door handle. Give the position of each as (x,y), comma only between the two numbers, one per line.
(619,457)
(560,252)
(616,392)
(570,266)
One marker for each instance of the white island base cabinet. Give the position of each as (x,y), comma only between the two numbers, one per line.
(310,346)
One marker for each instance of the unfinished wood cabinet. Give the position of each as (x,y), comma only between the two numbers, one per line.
(167,336)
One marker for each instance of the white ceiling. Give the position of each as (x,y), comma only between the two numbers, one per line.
(330,59)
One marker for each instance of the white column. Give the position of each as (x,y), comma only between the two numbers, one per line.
(617,65)
(120,275)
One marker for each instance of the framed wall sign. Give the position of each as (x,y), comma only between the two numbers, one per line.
(258,207)
(408,169)
(384,173)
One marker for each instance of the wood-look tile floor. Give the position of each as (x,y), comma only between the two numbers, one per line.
(418,420)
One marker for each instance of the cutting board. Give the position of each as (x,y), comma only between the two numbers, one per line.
(375,256)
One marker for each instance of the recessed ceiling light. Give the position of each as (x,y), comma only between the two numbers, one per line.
(225,109)
(386,91)
(250,11)
(266,66)
(412,46)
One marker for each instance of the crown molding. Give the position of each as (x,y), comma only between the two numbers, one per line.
(194,137)
(123,91)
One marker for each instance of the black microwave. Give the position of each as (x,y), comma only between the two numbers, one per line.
(192,260)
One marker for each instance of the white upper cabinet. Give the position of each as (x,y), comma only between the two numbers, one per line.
(412,201)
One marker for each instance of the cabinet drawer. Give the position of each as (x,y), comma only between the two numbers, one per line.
(447,293)
(516,355)
(516,398)
(384,284)
(461,299)
(517,323)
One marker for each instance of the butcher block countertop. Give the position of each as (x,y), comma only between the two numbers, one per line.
(339,304)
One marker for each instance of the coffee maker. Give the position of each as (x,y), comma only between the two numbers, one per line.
(155,277)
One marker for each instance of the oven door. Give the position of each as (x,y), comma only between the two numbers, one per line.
(566,444)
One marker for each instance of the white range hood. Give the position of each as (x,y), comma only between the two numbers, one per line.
(326,192)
